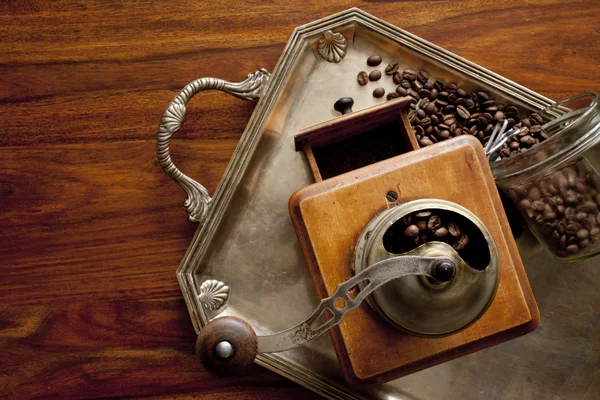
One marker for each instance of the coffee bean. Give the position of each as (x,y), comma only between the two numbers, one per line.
(423,214)
(362,78)
(434,94)
(379,92)
(397,78)
(430,108)
(392,95)
(483,96)
(463,112)
(413,94)
(401,91)
(572,249)
(449,119)
(391,68)
(424,142)
(423,76)
(535,129)
(435,120)
(409,75)
(421,113)
(422,225)
(483,121)
(511,111)
(460,92)
(527,140)
(583,234)
(589,206)
(434,223)
(416,85)
(443,134)
(375,75)
(523,131)
(424,93)
(461,242)
(449,109)
(499,116)
(440,232)
(411,231)
(538,205)
(454,228)
(374,60)
(537,118)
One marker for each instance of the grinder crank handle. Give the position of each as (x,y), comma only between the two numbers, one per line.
(228,344)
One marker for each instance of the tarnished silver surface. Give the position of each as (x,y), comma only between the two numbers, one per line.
(414,307)
(198,199)
(249,242)
(340,302)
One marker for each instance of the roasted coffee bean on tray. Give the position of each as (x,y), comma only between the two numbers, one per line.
(391,68)
(564,208)
(374,60)
(379,92)
(362,78)
(374,75)
(450,110)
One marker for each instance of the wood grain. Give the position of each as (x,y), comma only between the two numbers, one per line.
(92,231)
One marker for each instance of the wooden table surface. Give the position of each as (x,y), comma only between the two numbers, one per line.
(92,230)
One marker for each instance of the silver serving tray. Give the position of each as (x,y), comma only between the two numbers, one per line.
(245,261)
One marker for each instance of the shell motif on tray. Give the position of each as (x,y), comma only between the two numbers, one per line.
(332,46)
(213,294)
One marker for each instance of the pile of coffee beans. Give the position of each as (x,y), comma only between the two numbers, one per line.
(422,227)
(564,208)
(440,111)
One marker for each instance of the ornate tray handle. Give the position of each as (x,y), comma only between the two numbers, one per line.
(198,199)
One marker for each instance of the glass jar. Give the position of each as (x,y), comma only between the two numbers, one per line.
(555,184)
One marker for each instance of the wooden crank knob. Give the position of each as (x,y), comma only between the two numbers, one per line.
(344,105)
(226,345)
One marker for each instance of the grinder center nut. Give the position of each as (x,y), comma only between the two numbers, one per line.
(444,271)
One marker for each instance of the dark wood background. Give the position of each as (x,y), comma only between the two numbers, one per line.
(92,230)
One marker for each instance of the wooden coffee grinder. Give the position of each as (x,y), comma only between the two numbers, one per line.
(451,287)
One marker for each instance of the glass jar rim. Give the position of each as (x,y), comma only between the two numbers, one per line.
(503,172)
